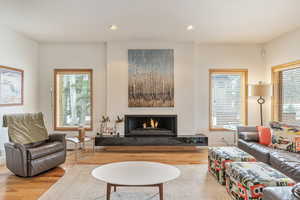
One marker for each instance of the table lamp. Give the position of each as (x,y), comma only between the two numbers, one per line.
(260,90)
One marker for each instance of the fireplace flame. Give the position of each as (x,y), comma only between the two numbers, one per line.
(153,124)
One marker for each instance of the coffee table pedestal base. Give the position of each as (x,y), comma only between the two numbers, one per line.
(109,187)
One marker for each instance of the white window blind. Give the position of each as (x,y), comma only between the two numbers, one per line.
(289,103)
(227,105)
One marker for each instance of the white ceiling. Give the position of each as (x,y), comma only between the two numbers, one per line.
(216,21)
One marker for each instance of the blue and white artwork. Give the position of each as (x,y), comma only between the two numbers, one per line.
(11,86)
(151,78)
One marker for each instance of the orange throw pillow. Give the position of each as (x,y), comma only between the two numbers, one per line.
(264,135)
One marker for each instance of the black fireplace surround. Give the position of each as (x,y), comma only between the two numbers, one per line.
(150,125)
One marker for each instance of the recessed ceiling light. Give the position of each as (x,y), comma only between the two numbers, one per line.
(113,27)
(190,27)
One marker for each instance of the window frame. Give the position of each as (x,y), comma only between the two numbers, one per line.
(276,98)
(70,71)
(244,74)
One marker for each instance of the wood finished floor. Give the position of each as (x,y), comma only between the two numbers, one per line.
(16,188)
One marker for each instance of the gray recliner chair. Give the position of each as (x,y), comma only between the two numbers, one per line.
(31,150)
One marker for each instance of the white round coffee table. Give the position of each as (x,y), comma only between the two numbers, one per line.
(135,174)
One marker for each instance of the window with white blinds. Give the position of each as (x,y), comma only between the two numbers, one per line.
(227,98)
(289,102)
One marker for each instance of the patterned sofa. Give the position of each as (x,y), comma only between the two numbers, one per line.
(284,161)
(247,180)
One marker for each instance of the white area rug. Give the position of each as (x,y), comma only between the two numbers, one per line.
(195,183)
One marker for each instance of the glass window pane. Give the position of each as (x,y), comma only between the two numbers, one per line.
(226,96)
(74,100)
(290,102)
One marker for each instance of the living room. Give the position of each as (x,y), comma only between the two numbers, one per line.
(185,73)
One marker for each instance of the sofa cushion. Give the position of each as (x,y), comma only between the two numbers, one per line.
(249,136)
(286,162)
(261,152)
(45,149)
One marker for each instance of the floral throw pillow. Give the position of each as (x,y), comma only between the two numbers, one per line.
(286,138)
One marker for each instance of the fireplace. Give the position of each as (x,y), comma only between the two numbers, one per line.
(150,125)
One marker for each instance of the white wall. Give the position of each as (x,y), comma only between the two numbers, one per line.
(282,50)
(19,52)
(225,56)
(109,62)
(92,56)
(117,81)
(191,66)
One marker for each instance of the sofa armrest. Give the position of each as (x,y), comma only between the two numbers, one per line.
(246,129)
(58,137)
(16,158)
(248,133)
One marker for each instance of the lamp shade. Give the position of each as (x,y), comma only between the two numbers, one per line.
(260,90)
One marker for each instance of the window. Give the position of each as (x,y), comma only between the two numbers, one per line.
(228,100)
(286,99)
(73,99)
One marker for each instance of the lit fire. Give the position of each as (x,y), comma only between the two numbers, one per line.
(153,124)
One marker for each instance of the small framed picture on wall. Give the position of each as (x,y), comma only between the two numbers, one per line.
(11,86)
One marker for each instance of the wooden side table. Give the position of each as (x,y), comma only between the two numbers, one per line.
(81,144)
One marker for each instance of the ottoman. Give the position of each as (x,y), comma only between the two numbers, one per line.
(246,180)
(218,156)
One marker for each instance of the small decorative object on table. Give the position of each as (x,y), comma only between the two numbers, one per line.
(118,121)
(109,129)
(103,124)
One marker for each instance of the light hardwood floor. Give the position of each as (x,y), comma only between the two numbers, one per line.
(17,188)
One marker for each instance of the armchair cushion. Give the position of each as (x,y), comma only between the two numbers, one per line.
(25,128)
(45,149)
(35,144)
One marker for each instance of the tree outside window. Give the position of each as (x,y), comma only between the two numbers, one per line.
(73,99)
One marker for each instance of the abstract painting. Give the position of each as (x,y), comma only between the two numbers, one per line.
(151,78)
(11,86)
